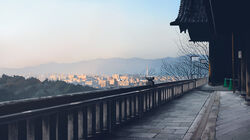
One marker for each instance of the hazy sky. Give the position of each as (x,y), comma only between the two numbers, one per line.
(33,32)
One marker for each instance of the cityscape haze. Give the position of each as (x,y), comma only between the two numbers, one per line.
(59,31)
(94,44)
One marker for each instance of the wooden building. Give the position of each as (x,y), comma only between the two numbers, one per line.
(224,24)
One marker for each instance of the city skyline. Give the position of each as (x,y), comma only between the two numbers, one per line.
(38,32)
(102,81)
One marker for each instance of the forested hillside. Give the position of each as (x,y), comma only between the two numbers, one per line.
(17,87)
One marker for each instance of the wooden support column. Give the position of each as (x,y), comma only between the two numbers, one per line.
(220,59)
(211,61)
(243,46)
(243,74)
(248,72)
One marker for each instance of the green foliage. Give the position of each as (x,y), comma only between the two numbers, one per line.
(17,87)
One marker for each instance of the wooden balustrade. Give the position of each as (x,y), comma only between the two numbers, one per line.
(90,117)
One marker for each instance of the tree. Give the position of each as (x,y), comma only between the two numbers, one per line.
(185,66)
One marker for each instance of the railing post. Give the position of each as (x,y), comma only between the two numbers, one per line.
(93,110)
(38,128)
(30,129)
(75,125)
(53,127)
(169,94)
(85,122)
(130,107)
(140,105)
(146,101)
(135,113)
(4,132)
(113,114)
(101,117)
(13,131)
(62,126)
(70,126)
(22,130)
(109,116)
(149,100)
(166,94)
(125,109)
(166,89)
(173,95)
(153,98)
(159,97)
(120,111)
(45,128)
(182,90)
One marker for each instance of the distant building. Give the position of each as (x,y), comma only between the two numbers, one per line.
(113,82)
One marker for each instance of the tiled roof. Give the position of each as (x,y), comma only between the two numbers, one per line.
(190,12)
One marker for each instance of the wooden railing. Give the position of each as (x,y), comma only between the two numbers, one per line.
(85,115)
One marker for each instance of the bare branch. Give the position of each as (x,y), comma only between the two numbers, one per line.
(184,67)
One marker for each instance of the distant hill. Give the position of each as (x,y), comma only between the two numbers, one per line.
(17,87)
(97,66)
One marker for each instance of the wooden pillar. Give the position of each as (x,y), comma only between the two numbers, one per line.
(220,59)
(248,72)
(243,46)
(211,62)
(243,74)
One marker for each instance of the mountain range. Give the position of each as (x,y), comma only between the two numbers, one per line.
(96,66)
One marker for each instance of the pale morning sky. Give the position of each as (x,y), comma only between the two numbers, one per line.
(33,32)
